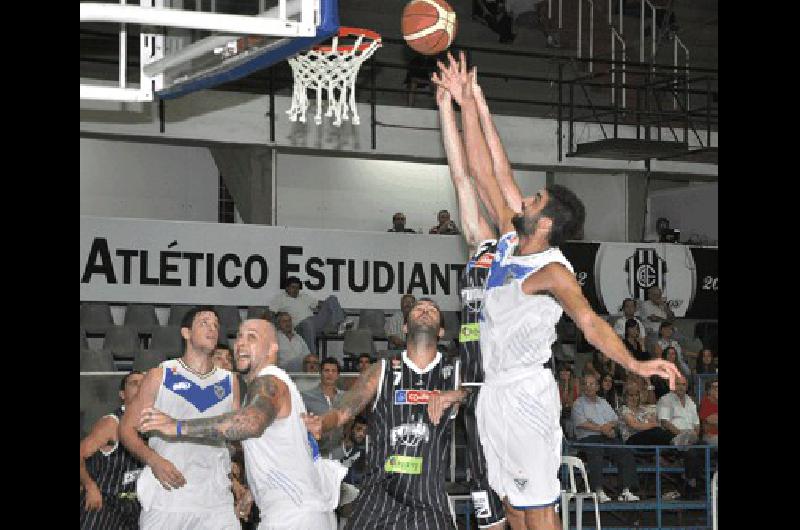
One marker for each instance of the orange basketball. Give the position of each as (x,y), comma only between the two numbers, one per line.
(429,26)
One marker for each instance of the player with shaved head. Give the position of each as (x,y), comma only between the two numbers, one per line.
(292,487)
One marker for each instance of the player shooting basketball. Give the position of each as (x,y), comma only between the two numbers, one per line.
(529,285)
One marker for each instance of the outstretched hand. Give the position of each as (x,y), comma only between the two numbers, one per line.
(660,367)
(313,424)
(455,78)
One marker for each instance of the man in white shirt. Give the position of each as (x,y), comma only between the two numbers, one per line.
(629,311)
(301,308)
(655,310)
(677,413)
(394,324)
(291,347)
(596,423)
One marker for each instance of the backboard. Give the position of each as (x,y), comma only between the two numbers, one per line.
(167,48)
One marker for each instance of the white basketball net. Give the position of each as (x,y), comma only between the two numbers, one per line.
(333,71)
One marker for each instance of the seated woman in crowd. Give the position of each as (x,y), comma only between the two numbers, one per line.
(647,392)
(705,363)
(608,392)
(601,365)
(661,385)
(634,342)
(639,423)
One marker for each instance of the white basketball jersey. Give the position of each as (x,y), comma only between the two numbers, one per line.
(517,330)
(205,465)
(280,466)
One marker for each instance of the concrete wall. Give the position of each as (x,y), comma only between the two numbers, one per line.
(150,181)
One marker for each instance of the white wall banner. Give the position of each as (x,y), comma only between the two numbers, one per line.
(166,262)
(177,262)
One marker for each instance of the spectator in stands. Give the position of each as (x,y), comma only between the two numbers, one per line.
(109,471)
(568,390)
(300,307)
(322,398)
(666,338)
(677,413)
(364,360)
(608,392)
(394,324)
(352,453)
(661,386)
(705,363)
(222,357)
(446,226)
(595,423)
(399,223)
(601,365)
(629,307)
(655,310)
(291,348)
(647,394)
(639,423)
(634,341)
(311,364)
(708,412)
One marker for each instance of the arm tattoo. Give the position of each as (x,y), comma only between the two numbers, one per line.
(263,402)
(363,390)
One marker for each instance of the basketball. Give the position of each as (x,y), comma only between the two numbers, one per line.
(429,26)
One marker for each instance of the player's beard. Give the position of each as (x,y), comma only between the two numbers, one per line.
(422,334)
(523,225)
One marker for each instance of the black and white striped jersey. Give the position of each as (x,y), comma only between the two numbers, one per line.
(472,286)
(115,473)
(403,485)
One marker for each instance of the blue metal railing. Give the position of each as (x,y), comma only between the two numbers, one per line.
(659,503)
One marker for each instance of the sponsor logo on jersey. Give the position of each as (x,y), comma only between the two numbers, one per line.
(469,333)
(182,385)
(407,465)
(480,501)
(219,391)
(412,397)
(485,260)
(131,476)
(447,370)
(410,434)
(521,483)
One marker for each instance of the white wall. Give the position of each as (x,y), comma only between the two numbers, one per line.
(363,194)
(694,210)
(150,181)
(606,202)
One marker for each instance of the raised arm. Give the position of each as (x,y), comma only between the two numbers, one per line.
(457,81)
(352,402)
(474,226)
(500,163)
(268,398)
(560,282)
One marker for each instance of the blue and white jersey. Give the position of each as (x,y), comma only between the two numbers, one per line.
(284,471)
(186,395)
(517,330)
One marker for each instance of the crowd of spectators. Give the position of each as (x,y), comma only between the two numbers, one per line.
(613,407)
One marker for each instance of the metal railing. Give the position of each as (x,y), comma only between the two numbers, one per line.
(661,505)
(550,12)
(679,42)
(591,31)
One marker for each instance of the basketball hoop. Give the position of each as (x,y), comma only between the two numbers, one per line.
(333,68)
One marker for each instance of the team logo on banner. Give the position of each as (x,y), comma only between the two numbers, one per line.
(645,269)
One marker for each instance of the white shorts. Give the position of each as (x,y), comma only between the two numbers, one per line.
(296,520)
(211,520)
(518,424)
